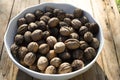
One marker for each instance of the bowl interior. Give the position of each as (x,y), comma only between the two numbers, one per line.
(12,28)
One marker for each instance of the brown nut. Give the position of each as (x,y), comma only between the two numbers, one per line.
(44,48)
(56,11)
(29,58)
(61,15)
(22,29)
(49,14)
(83,30)
(77,64)
(14,49)
(36,35)
(41,25)
(50,70)
(53,22)
(68,21)
(56,61)
(61,23)
(27,36)
(65,56)
(78,54)
(89,53)
(83,45)
(51,40)
(45,34)
(59,47)
(65,68)
(42,63)
(19,39)
(71,16)
(21,21)
(34,67)
(88,37)
(38,13)
(51,54)
(22,52)
(32,26)
(49,9)
(74,35)
(95,43)
(45,19)
(30,17)
(32,47)
(78,13)
(76,24)
(84,20)
(65,31)
(72,43)
(23,63)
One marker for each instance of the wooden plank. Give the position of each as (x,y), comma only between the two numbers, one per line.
(8,70)
(5,11)
(114,20)
(110,63)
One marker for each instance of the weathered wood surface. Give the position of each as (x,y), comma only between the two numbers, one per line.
(107,66)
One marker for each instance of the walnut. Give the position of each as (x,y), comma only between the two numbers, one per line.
(65,55)
(83,45)
(76,24)
(45,19)
(32,47)
(38,13)
(59,47)
(30,17)
(21,21)
(42,63)
(45,34)
(77,64)
(27,36)
(83,30)
(68,21)
(74,35)
(36,35)
(41,25)
(22,52)
(32,26)
(22,29)
(78,54)
(53,22)
(56,61)
(65,31)
(19,39)
(95,43)
(88,36)
(29,58)
(14,49)
(44,48)
(51,40)
(64,68)
(50,70)
(51,54)
(78,13)
(89,53)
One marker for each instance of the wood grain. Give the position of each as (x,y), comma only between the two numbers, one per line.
(9,70)
(110,63)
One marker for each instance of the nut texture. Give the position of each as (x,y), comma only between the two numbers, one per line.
(53,22)
(65,31)
(51,54)
(22,52)
(74,35)
(64,68)
(59,47)
(42,63)
(76,24)
(14,49)
(83,30)
(22,29)
(95,43)
(56,61)
(27,36)
(36,35)
(50,70)
(77,64)
(83,45)
(72,43)
(32,26)
(19,39)
(89,53)
(21,21)
(51,40)
(65,56)
(30,17)
(32,47)
(88,36)
(78,13)
(29,58)
(78,54)
(44,48)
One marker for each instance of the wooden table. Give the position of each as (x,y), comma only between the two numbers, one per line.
(107,66)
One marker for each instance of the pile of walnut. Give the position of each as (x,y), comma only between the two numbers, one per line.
(54,42)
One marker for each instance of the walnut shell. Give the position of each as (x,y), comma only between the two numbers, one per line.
(45,18)
(32,26)
(14,49)
(51,40)
(30,17)
(36,35)
(32,47)
(22,29)
(64,68)
(50,70)
(21,21)
(38,13)
(78,54)
(19,39)
(59,47)
(74,35)
(53,22)
(88,37)
(51,54)
(29,58)
(78,13)
(72,43)
(83,45)
(27,37)
(42,63)
(95,43)
(44,48)
(56,61)
(22,52)
(65,31)
(76,24)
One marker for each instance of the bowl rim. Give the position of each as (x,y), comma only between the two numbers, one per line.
(38,73)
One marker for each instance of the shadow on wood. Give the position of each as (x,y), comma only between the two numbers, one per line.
(94,73)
